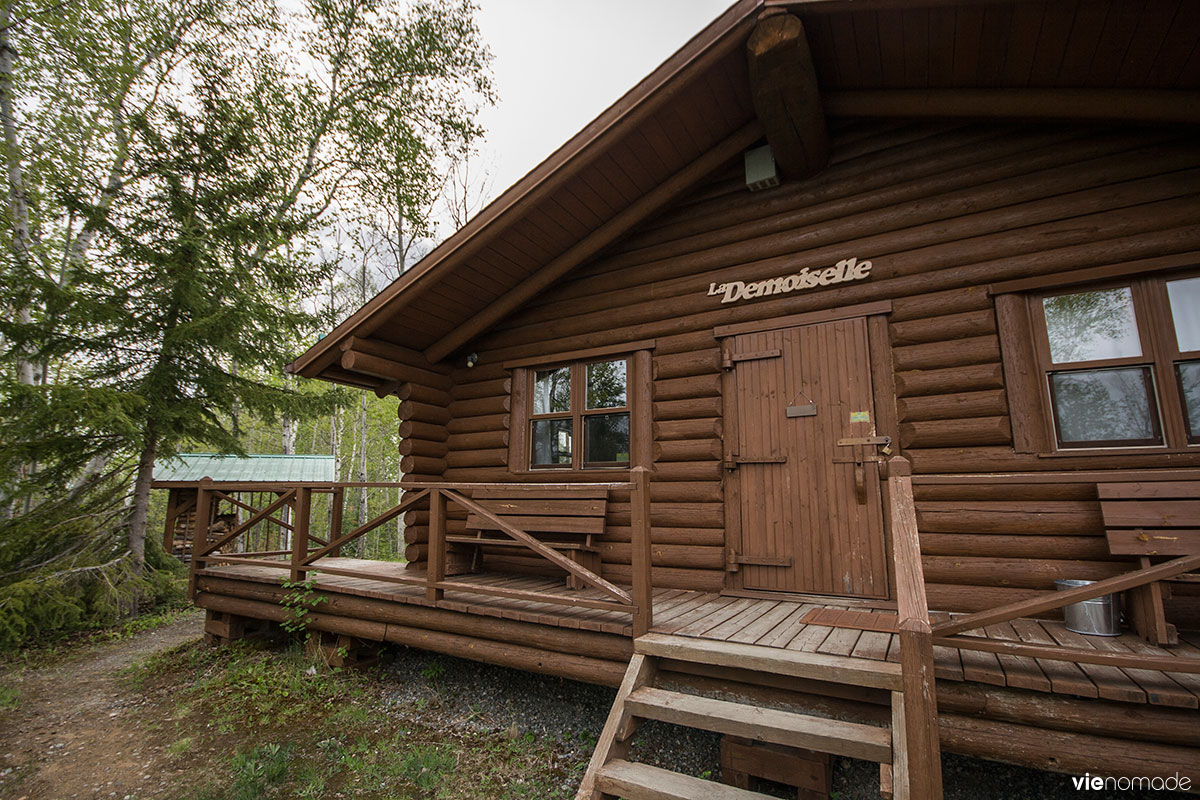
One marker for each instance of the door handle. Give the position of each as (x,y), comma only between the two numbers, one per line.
(860,483)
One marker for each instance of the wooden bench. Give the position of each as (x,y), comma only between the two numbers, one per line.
(567,518)
(1153,518)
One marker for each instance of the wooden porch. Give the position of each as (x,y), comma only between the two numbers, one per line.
(781,624)
(879,667)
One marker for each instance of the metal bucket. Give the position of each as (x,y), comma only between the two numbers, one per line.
(1100,616)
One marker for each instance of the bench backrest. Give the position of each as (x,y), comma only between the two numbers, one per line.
(1154,518)
(554,510)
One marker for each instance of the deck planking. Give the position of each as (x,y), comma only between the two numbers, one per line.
(778,623)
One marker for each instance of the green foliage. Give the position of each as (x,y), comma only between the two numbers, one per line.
(300,599)
(10,697)
(426,765)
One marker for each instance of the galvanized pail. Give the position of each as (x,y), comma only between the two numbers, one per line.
(1100,616)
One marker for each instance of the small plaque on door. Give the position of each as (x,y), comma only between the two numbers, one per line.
(860,416)
(807,410)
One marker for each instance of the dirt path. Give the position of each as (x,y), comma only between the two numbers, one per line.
(69,736)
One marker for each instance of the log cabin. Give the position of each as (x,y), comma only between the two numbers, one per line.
(783,393)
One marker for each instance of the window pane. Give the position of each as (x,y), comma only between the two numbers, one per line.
(606,439)
(1089,326)
(552,442)
(1185,310)
(606,384)
(1189,384)
(1104,406)
(552,391)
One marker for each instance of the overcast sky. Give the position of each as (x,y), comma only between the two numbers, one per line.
(559,63)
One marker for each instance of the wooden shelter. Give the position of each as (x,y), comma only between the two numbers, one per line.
(182,476)
(812,363)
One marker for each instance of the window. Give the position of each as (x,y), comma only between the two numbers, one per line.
(579,416)
(1121,362)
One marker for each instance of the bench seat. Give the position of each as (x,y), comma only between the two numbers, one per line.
(566,518)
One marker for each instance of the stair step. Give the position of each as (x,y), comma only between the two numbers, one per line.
(814,666)
(851,739)
(644,782)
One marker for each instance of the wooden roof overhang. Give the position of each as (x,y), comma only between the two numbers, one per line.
(1113,60)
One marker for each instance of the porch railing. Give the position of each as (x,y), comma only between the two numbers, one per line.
(914,710)
(307,548)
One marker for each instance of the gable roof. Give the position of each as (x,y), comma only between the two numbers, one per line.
(1103,59)
(259,468)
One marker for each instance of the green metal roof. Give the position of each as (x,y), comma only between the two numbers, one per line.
(192,467)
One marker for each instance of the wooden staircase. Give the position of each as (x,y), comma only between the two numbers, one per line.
(639,698)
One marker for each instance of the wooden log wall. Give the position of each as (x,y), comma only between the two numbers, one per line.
(941,210)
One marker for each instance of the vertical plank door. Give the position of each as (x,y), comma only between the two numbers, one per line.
(811,518)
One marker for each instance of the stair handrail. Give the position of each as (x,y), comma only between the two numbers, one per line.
(917,706)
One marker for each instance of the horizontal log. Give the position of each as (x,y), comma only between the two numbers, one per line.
(688,471)
(940,355)
(423,465)
(486,422)
(413,429)
(936,304)
(956,432)
(700,580)
(666,555)
(688,450)
(423,394)
(1016,492)
(976,460)
(1007,546)
(696,386)
(958,597)
(483,440)
(662,534)
(944,328)
(1034,572)
(470,390)
(684,365)
(1041,518)
(481,406)
(674,430)
(477,458)
(423,447)
(1061,751)
(1138,723)
(387,369)
(687,409)
(976,377)
(423,412)
(686,492)
(961,405)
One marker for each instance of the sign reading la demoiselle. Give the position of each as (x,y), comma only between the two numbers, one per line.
(850,269)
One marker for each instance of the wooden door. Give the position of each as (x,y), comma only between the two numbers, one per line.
(810,518)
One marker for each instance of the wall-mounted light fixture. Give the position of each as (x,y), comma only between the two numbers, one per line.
(472,360)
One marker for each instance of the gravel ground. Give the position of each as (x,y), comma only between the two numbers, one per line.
(456,692)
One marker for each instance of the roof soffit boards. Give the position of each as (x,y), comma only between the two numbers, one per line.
(1115,59)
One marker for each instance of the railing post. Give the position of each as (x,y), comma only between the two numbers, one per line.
(202,520)
(435,571)
(643,589)
(337,503)
(918,726)
(301,521)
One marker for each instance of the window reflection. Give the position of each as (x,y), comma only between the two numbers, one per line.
(552,391)
(1105,406)
(1091,326)
(1185,311)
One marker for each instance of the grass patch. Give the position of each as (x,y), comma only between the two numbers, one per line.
(297,730)
(10,697)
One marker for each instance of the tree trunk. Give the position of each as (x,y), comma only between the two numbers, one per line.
(141,499)
(18,204)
